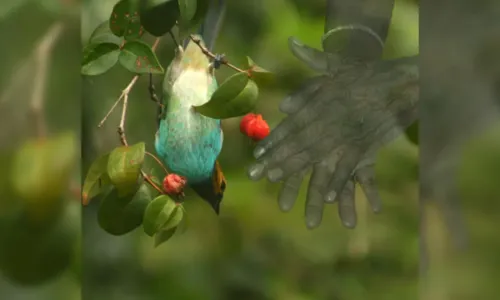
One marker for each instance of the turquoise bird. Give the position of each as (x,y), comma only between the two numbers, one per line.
(187,142)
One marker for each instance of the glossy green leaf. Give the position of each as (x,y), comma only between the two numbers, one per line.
(236,97)
(187,9)
(159,16)
(139,57)
(152,220)
(103,34)
(259,74)
(124,167)
(125,20)
(41,169)
(100,58)
(164,236)
(174,213)
(97,170)
(119,215)
(162,214)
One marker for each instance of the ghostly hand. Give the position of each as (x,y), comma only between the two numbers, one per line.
(336,123)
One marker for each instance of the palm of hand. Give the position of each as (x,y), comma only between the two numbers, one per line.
(336,123)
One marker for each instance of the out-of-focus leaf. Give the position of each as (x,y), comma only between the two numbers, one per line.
(159,16)
(236,97)
(124,167)
(119,215)
(187,9)
(9,6)
(41,170)
(139,57)
(30,256)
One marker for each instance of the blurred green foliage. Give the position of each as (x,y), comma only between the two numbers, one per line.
(252,251)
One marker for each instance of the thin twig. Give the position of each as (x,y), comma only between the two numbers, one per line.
(41,57)
(207,52)
(121,127)
(173,38)
(151,182)
(158,161)
(126,91)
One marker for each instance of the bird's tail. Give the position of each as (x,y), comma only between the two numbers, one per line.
(210,27)
(212,190)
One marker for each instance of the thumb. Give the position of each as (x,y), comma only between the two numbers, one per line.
(314,58)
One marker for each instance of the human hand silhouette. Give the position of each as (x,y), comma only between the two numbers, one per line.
(335,124)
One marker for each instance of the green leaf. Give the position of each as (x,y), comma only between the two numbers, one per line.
(174,214)
(103,34)
(124,167)
(41,169)
(125,20)
(119,215)
(191,26)
(94,176)
(138,57)
(201,11)
(237,96)
(154,215)
(162,214)
(259,74)
(187,9)
(159,16)
(100,58)
(164,236)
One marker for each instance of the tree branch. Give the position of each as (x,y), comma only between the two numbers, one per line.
(41,57)
(121,127)
(224,61)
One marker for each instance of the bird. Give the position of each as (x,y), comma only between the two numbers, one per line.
(187,142)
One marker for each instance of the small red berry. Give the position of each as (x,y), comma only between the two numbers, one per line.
(254,127)
(244,122)
(173,184)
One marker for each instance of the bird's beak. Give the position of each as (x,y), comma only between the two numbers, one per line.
(216,207)
(215,204)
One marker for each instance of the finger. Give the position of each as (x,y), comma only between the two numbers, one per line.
(290,190)
(320,105)
(296,101)
(292,165)
(343,173)
(314,58)
(366,178)
(347,207)
(315,194)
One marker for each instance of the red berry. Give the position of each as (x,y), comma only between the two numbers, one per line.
(173,184)
(253,126)
(244,122)
(258,129)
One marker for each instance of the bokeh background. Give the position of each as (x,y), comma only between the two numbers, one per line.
(252,250)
